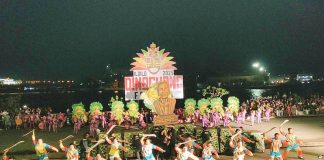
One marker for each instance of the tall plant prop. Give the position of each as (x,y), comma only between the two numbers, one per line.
(213,92)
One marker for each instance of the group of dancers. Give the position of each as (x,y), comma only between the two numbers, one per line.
(50,122)
(185,146)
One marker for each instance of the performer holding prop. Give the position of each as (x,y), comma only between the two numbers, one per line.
(41,147)
(71,152)
(98,156)
(209,151)
(5,156)
(147,147)
(184,153)
(115,147)
(292,142)
(239,150)
(275,146)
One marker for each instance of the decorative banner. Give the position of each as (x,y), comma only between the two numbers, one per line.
(151,66)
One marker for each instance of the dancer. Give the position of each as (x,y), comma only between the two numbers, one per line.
(209,151)
(5,156)
(192,145)
(243,115)
(41,147)
(183,153)
(226,118)
(252,117)
(215,118)
(258,113)
(275,147)
(147,147)
(267,114)
(292,143)
(84,145)
(18,121)
(115,147)
(205,120)
(239,150)
(98,156)
(55,123)
(71,152)
(239,119)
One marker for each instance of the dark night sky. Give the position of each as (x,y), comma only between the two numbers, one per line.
(74,39)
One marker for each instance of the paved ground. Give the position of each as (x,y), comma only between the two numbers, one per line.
(309,129)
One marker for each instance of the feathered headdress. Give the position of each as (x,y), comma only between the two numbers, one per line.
(190,106)
(133,109)
(96,108)
(203,105)
(78,111)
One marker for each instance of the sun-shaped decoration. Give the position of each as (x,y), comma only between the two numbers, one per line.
(153,59)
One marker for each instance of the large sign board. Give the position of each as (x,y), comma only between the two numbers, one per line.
(151,66)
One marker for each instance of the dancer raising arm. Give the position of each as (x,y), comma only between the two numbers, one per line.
(147,147)
(71,153)
(40,148)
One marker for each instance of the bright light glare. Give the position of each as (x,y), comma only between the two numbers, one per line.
(256,65)
(261,69)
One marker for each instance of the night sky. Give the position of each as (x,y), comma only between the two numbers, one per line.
(75,39)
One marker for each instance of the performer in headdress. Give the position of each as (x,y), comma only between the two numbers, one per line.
(233,105)
(204,110)
(292,141)
(71,153)
(117,110)
(133,111)
(78,116)
(41,147)
(190,106)
(147,148)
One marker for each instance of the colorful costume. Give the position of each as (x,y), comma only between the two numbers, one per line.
(252,117)
(71,154)
(190,106)
(275,148)
(217,105)
(259,118)
(233,105)
(117,109)
(292,145)
(133,111)
(40,149)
